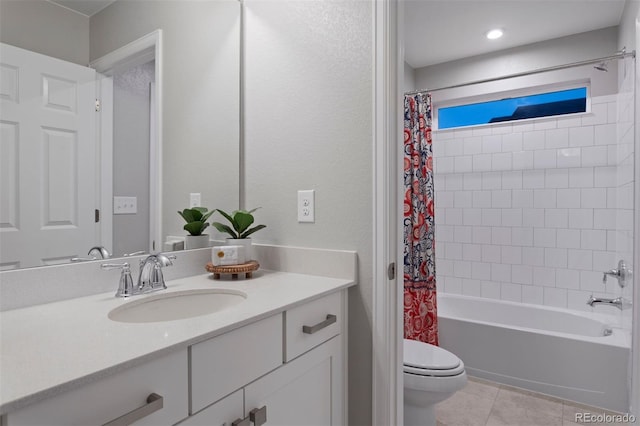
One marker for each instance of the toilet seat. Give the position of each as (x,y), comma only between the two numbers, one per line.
(423,359)
(434,373)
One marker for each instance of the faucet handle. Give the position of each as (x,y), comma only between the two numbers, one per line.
(612,272)
(110,266)
(125,286)
(135,253)
(623,274)
(83,259)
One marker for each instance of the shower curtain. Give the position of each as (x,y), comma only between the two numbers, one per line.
(420,311)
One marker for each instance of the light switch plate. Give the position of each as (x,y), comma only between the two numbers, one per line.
(195,199)
(125,205)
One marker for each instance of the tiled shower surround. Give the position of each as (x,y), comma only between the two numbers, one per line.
(535,211)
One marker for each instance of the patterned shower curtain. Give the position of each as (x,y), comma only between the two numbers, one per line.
(420,311)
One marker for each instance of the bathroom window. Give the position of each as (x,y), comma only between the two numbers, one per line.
(537,105)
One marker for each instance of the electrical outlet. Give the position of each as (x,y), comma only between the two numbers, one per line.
(306,206)
(195,200)
(125,205)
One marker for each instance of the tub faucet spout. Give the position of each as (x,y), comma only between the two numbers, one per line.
(619,302)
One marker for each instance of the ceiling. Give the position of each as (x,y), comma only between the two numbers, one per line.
(439,31)
(84,7)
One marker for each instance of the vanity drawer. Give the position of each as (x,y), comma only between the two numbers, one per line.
(309,325)
(114,396)
(225,363)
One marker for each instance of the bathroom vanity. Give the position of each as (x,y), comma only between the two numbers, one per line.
(277,355)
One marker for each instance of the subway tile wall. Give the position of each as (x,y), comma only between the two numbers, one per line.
(534,212)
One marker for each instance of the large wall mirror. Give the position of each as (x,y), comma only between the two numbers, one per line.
(167,128)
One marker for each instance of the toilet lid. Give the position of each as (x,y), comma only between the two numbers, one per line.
(429,360)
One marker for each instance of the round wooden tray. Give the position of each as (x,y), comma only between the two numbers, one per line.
(234,270)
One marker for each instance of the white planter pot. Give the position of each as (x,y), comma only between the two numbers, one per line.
(244,242)
(196,241)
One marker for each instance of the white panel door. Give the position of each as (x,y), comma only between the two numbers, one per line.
(47,159)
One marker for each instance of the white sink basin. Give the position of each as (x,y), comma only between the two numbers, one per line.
(177,305)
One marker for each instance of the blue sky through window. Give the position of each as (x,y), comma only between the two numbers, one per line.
(517,108)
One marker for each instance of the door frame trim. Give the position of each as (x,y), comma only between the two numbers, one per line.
(387,392)
(142,50)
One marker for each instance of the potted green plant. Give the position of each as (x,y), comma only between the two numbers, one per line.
(240,229)
(196,218)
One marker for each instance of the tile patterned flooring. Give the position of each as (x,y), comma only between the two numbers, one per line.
(485,403)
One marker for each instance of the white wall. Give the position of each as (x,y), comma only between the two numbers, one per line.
(201,94)
(593,44)
(409,78)
(308,121)
(43,27)
(627,27)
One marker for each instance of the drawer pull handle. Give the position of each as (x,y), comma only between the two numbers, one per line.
(154,403)
(242,422)
(319,326)
(258,416)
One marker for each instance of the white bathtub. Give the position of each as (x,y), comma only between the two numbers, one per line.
(567,354)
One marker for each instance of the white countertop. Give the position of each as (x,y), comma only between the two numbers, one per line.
(51,348)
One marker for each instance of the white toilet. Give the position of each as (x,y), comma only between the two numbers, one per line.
(431,375)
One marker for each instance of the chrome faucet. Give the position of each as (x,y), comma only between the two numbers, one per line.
(102,253)
(151,277)
(623,274)
(619,302)
(95,253)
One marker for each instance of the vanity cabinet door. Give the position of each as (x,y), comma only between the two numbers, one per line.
(304,392)
(105,400)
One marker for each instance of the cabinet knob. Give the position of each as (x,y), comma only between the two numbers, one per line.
(258,416)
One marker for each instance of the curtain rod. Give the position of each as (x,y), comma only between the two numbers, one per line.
(620,55)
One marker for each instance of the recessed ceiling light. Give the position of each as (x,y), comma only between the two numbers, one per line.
(494,34)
